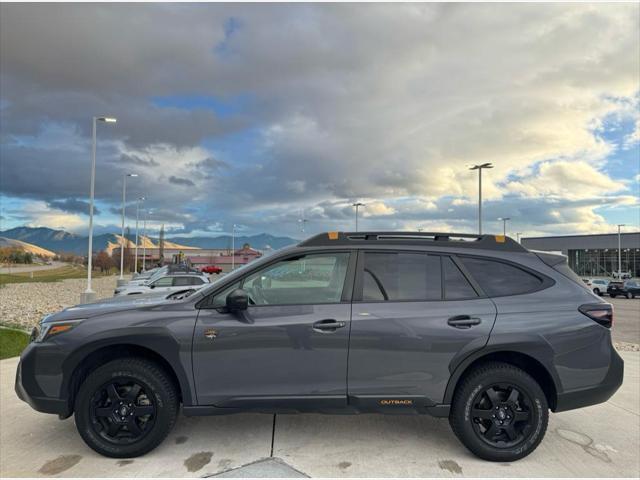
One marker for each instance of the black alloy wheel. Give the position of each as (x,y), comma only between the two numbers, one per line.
(126,407)
(499,412)
(501,415)
(122,411)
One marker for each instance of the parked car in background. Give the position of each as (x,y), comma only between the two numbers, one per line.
(171,282)
(616,288)
(597,285)
(210,269)
(485,333)
(628,289)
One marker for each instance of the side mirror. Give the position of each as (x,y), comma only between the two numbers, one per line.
(237,300)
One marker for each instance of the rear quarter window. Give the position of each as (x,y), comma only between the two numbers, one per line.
(499,279)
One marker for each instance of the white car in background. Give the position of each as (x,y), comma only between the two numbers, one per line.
(597,285)
(169,283)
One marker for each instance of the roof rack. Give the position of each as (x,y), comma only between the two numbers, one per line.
(464,240)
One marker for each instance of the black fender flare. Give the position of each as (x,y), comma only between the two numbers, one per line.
(155,339)
(530,345)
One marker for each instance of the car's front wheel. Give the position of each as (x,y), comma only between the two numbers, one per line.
(499,412)
(126,407)
(597,291)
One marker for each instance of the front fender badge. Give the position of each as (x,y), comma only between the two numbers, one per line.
(210,333)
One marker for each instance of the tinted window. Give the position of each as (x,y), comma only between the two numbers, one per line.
(197,280)
(220,299)
(307,279)
(163,282)
(401,276)
(497,278)
(181,281)
(456,286)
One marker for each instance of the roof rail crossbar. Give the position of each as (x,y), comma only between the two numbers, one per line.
(491,242)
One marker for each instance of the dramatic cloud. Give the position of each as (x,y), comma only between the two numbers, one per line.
(252,114)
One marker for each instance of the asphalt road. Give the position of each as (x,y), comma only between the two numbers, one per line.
(626,319)
(31,268)
(599,441)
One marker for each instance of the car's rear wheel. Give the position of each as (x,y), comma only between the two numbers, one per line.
(499,412)
(126,407)
(612,295)
(627,295)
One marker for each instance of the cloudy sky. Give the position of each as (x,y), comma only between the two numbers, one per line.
(251,114)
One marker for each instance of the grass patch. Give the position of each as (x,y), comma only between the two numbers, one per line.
(12,342)
(53,275)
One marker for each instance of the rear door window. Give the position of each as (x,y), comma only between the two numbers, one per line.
(456,286)
(500,279)
(401,277)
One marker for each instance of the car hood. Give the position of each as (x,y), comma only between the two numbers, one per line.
(110,305)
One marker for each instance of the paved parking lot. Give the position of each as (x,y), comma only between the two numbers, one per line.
(603,440)
(626,319)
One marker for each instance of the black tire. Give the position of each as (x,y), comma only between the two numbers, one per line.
(627,296)
(597,292)
(612,295)
(147,387)
(471,397)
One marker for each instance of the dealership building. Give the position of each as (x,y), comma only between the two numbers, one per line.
(593,255)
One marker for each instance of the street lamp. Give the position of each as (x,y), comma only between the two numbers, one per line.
(357,205)
(233,247)
(122,239)
(518,236)
(140,199)
(504,225)
(147,212)
(89,295)
(479,168)
(302,221)
(620,225)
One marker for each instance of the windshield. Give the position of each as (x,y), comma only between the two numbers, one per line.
(160,273)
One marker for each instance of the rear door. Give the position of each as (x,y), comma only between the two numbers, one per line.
(413,312)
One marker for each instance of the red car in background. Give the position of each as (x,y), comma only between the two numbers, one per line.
(211,269)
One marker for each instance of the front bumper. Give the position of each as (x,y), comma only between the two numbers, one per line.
(29,390)
(598,393)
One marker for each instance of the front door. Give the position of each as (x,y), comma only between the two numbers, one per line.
(289,347)
(412,313)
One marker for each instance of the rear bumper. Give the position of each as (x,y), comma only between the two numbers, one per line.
(597,394)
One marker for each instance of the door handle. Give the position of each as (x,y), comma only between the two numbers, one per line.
(463,321)
(328,325)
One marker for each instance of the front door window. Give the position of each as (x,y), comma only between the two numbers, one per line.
(309,279)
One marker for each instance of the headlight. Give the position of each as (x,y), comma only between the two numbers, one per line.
(48,330)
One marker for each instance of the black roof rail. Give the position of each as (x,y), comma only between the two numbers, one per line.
(440,239)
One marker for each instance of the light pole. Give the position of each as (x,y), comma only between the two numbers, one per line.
(140,199)
(89,295)
(302,220)
(620,225)
(357,205)
(518,236)
(144,236)
(479,168)
(504,225)
(122,239)
(233,247)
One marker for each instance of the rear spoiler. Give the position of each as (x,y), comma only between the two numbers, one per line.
(551,259)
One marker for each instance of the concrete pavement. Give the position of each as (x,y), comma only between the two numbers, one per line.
(603,440)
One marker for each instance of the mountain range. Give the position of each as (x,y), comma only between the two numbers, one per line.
(62,241)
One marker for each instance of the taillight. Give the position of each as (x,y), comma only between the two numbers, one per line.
(599,312)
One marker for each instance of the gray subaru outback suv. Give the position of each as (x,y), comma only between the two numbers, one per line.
(474,328)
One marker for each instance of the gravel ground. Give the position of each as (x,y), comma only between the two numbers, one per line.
(24,304)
